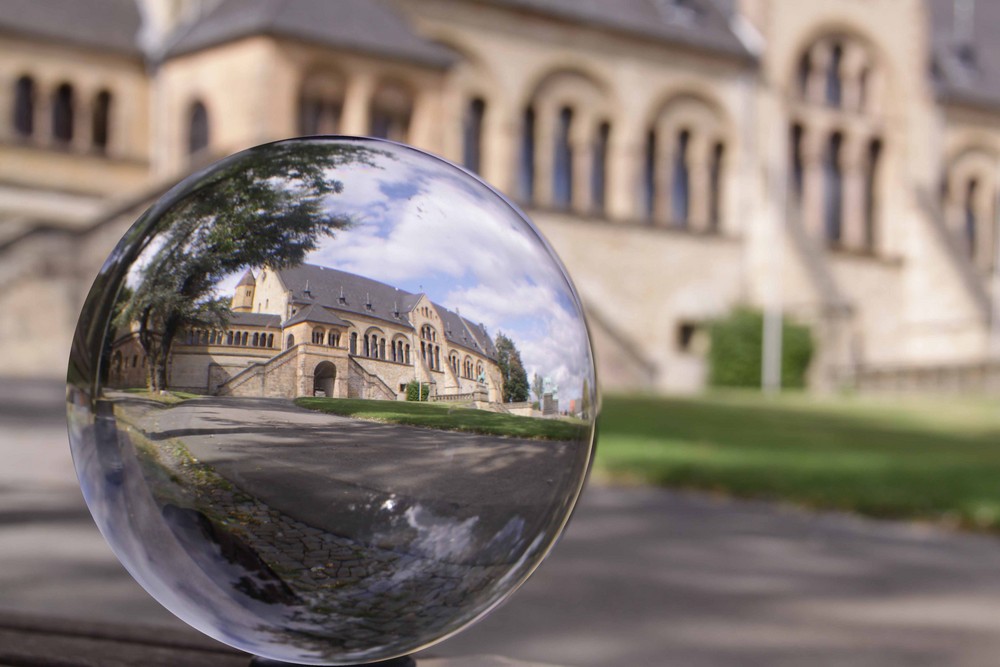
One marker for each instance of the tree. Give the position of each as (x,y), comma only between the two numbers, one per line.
(538,386)
(515,378)
(263,207)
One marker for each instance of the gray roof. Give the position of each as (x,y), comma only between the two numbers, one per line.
(316,314)
(109,25)
(699,24)
(966,67)
(361,25)
(255,320)
(332,290)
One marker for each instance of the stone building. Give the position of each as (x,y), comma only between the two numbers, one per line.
(834,159)
(312,330)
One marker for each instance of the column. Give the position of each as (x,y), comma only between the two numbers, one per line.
(699,163)
(819,61)
(8,87)
(625,176)
(83,113)
(812,181)
(663,172)
(853,167)
(357,104)
(581,140)
(545,145)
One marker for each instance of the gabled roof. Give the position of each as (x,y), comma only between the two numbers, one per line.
(347,293)
(247,280)
(255,319)
(322,292)
(364,25)
(966,67)
(316,314)
(108,25)
(694,23)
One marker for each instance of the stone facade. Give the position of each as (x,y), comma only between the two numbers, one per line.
(311,330)
(703,155)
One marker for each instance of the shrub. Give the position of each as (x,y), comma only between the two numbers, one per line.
(417,391)
(736,351)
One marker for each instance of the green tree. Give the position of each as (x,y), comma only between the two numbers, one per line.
(515,378)
(538,386)
(263,207)
(736,348)
(585,401)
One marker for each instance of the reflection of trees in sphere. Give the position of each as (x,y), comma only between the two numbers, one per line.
(299,400)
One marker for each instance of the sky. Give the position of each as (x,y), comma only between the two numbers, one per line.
(423,225)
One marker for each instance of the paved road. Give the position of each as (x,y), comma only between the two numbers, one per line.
(643,577)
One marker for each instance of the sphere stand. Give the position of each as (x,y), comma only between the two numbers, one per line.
(405,661)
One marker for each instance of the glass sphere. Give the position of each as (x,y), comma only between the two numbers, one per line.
(331,400)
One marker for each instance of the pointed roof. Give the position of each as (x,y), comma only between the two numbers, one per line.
(108,25)
(360,25)
(316,314)
(247,280)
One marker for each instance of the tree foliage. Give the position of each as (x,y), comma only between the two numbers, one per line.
(515,378)
(537,386)
(736,351)
(261,208)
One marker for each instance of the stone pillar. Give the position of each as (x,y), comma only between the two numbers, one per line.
(501,145)
(42,133)
(663,173)
(424,130)
(699,164)
(854,61)
(357,104)
(8,84)
(853,170)
(813,148)
(626,161)
(582,137)
(545,129)
(83,114)
(816,85)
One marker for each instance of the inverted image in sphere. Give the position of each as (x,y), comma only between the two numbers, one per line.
(331,400)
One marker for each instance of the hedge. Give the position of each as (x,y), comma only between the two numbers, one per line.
(736,351)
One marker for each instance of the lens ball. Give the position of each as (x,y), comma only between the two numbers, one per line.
(331,400)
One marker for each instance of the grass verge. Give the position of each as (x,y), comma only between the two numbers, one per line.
(446,417)
(933,460)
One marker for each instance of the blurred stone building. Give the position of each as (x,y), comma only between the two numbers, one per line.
(836,159)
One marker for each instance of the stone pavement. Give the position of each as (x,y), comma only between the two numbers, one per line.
(642,577)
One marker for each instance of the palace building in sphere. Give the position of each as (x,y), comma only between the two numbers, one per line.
(311,330)
(837,161)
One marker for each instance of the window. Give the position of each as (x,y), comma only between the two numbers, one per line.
(871,188)
(796,159)
(391,108)
(526,161)
(318,336)
(599,167)
(715,188)
(270,340)
(320,103)
(971,223)
(681,189)
(834,85)
(562,164)
(649,176)
(198,130)
(833,191)
(101,121)
(62,114)
(804,74)
(24,106)
(472,135)
(256,339)
(353,345)
(290,342)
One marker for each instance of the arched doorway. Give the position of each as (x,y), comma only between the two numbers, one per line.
(323,378)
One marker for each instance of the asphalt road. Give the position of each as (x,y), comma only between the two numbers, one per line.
(643,577)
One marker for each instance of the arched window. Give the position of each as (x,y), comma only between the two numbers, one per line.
(367,348)
(833,191)
(381,348)
(198,129)
(353,344)
(472,135)
(803,74)
(526,161)
(599,167)
(318,336)
(256,339)
(101,121)
(479,370)
(797,172)
(24,106)
(407,351)
(229,338)
(562,164)
(970,217)
(62,114)
(243,340)
(270,340)
(649,176)
(680,191)
(391,108)
(290,342)
(715,188)
(834,84)
(321,101)
(871,188)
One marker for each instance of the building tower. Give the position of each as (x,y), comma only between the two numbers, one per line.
(243,295)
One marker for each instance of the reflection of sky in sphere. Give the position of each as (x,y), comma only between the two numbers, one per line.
(424,226)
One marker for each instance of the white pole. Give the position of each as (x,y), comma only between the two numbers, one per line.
(774,306)
(995,287)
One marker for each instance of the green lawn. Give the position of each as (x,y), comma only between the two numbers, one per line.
(446,417)
(937,460)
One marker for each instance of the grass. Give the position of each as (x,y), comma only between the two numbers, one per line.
(928,460)
(446,417)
